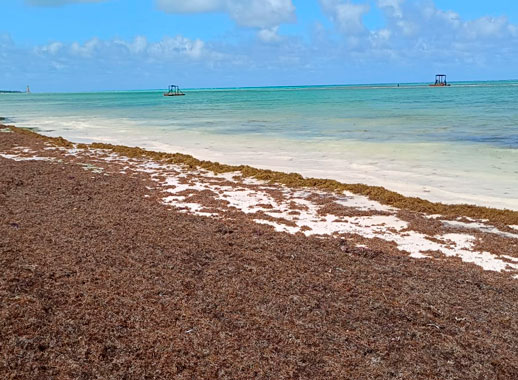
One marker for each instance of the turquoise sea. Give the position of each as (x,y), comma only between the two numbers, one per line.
(457,144)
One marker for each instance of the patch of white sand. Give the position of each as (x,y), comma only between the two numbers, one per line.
(479,226)
(20,158)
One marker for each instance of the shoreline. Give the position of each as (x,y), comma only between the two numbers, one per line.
(420,169)
(377,193)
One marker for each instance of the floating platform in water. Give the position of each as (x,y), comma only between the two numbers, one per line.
(440,81)
(173,90)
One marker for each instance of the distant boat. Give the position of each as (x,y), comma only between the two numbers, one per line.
(174,90)
(440,81)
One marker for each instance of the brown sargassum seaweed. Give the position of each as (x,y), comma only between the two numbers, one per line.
(296,180)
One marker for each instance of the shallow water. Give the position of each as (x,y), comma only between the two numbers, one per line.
(455,144)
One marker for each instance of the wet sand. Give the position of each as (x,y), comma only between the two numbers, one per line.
(125,265)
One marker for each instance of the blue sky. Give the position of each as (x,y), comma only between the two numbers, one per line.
(78,45)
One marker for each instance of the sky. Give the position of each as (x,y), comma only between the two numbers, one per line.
(94,45)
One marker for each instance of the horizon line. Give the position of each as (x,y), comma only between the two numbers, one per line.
(257,87)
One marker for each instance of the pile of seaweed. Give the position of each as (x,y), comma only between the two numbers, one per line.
(100,281)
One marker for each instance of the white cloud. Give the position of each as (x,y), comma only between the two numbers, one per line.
(112,63)
(392,6)
(191,6)
(488,27)
(175,47)
(87,49)
(57,3)
(138,45)
(269,35)
(52,48)
(261,14)
(380,38)
(347,16)
(168,49)
(5,40)
(424,21)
